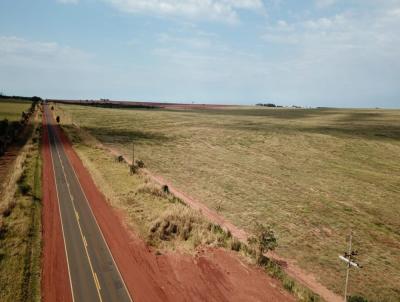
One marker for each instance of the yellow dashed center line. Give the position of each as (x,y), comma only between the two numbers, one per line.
(96,280)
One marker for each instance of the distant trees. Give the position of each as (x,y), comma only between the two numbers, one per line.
(266,105)
(34,99)
(9,131)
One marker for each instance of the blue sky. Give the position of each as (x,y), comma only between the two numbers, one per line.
(343,53)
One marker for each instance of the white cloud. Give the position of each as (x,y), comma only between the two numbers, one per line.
(349,55)
(324,3)
(226,10)
(31,67)
(18,51)
(68,1)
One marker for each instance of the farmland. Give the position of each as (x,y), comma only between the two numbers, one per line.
(12,109)
(311,174)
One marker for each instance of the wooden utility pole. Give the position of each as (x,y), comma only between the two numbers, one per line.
(347,270)
(349,258)
(133,153)
(132,166)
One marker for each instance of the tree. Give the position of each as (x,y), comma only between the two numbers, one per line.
(36,99)
(263,240)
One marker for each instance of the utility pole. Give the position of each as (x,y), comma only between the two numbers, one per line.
(132,166)
(133,153)
(349,258)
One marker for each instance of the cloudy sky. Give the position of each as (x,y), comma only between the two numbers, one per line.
(343,53)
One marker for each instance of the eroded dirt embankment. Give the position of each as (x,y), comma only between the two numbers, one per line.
(211,275)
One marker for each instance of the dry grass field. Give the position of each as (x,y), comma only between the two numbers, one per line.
(12,110)
(20,219)
(311,174)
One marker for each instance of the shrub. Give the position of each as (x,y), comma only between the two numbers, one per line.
(288,284)
(178,222)
(165,189)
(119,158)
(132,169)
(3,126)
(7,211)
(264,240)
(25,188)
(236,245)
(152,189)
(3,228)
(139,163)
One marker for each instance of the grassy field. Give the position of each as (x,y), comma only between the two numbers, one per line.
(20,226)
(312,174)
(12,110)
(159,218)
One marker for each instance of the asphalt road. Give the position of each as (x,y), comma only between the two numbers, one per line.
(93,273)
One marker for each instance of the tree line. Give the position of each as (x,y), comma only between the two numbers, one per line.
(10,131)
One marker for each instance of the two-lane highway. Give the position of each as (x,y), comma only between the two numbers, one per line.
(93,273)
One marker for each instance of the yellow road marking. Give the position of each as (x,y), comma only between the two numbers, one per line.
(96,280)
(59,210)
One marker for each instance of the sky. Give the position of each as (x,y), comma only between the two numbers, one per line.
(339,53)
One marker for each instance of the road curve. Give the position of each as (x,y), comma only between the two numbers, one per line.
(93,274)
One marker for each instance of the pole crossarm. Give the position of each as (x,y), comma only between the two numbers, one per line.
(349,261)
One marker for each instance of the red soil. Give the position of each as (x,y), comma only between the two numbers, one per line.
(55,278)
(211,275)
(290,267)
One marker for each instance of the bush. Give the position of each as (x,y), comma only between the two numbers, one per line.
(25,188)
(178,222)
(165,189)
(3,228)
(288,284)
(139,163)
(3,126)
(7,211)
(263,241)
(119,159)
(182,223)
(236,245)
(152,189)
(23,185)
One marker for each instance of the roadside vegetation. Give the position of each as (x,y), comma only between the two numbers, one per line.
(14,117)
(20,223)
(12,109)
(312,175)
(163,220)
